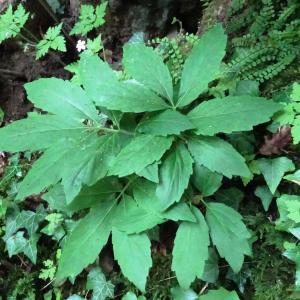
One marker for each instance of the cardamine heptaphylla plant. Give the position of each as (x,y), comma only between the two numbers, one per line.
(145,164)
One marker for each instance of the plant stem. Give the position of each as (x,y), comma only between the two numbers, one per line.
(31,34)
(52,15)
(11,72)
(26,39)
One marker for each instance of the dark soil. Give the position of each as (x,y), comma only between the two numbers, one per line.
(124,18)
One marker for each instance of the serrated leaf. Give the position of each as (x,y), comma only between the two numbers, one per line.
(180,294)
(90,195)
(48,168)
(229,234)
(274,169)
(295,177)
(133,254)
(142,151)
(211,267)
(38,132)
(128,96)
(220,294)
(201,67)
(206,181)
(145,195)
(295,96)
(190,250)
(67,99)
(91,67)
(11,22)
(52,40)
(285,204)
(174,175)
(230,114)
(293,253)
(264,194)
(103,190)
(92,163)
(90,18)
(131,218)
(165,123)
(96,281)
(91,233)
(147,67)
(150,172)
(218,156)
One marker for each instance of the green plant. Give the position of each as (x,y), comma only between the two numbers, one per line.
(90,18)
(52,40)
(133,171)
(269,42)
(174,52)
(11,22)
(290,114)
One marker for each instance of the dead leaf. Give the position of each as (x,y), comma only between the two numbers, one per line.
(277,142)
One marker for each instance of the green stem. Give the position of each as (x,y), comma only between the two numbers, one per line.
(52,15)
(27,40)
(125,188)
(31,34)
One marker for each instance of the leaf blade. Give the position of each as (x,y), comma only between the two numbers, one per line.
(146,66)
(142,151)
(218,156)
(201,67)
(190,250)
(134,256)
(174,175)
(87,235)
(233,113)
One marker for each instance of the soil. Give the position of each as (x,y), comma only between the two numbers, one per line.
(123,19)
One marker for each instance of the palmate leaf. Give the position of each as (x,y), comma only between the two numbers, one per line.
(202,65)
(230,114)
(96,281)
(175,173)
(146,66)
(218,156)
(133,254)
(142,151)
(229,234)
(190,250)
(19,244)
(90,233)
